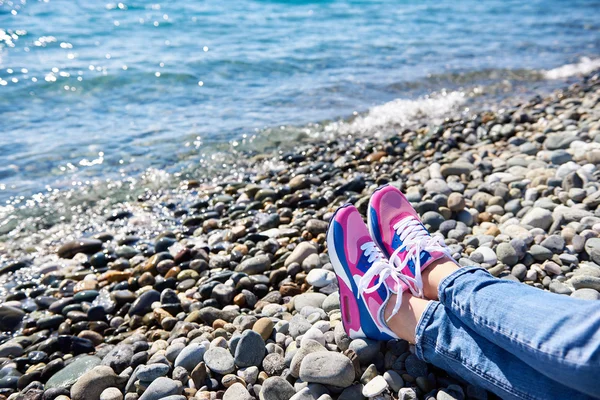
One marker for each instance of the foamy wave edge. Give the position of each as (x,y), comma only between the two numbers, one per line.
(584,66)
(400,112)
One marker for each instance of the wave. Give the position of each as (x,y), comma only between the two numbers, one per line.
(584,66)
(400,113)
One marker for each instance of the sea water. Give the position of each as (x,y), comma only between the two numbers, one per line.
(107,91)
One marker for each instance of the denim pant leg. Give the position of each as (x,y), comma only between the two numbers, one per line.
(444,341)
(557,335)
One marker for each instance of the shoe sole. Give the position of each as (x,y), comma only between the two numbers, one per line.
(348,302)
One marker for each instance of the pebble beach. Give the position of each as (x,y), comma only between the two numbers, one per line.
(223,289)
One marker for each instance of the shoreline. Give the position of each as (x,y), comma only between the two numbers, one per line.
(171,275)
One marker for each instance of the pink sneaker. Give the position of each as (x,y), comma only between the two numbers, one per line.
(366,279)
(398,231)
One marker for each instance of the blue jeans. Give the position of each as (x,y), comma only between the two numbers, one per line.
(512,339)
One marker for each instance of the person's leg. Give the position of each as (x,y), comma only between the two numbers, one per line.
(558,336)
(443,340)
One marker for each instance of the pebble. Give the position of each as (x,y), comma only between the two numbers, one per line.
(111,393)
(237,391)
(250,350)
(320,278)
(161,388)
(240,299)
(328,368)
(507,254)
(190,356)
(309,299)
(94,382)
(219,360)
(276,388)
(375,387)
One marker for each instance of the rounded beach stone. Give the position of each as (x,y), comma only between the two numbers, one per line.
(328,368)
(507,254)
(237,391)
(264,327)
(276,388)
(191,356)
(250,350)
(219,360)
(111,393)
(375,387)
(320,277)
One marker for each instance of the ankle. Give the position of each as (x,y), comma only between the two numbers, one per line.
(404,322)
(435,273)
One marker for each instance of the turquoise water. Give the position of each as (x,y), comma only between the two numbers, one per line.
(94,90)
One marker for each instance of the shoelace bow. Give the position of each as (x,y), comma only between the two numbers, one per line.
(382,268)
(415,239)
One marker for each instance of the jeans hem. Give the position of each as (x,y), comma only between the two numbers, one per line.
(447,281)
(422,325)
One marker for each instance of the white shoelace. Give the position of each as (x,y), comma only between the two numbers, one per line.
(380,266)
(415,239)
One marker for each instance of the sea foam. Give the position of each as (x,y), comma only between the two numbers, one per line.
(584,66)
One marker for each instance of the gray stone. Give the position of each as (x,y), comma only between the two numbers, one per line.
(309,299)
(332,302)
(255,265)
(592,248)
(570,214)
(223,294)
(559,288)
(341,338)
(456,168)
(586,294)
(320,277)
(556,243)
(71,373)
(415,367)
(538,218)
(151,372)
(559,141)
(237,391)
(10,317)
(87,246)
(119,358)
(219,360)
(353,392)
(507,254)
(276,388)
(433,219)
(309,346)
(111,393)
(375,386)
(11,349)
(273,364)
(586,282)
(91,384)
(488,255)
(191,356)
(316,226)
(365,349)
(394,380)
(407,394)
(328,368)
(302,250)
(161,388)
(298,326)
(540,253)
(519,271)
(143,304)
(250,350)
